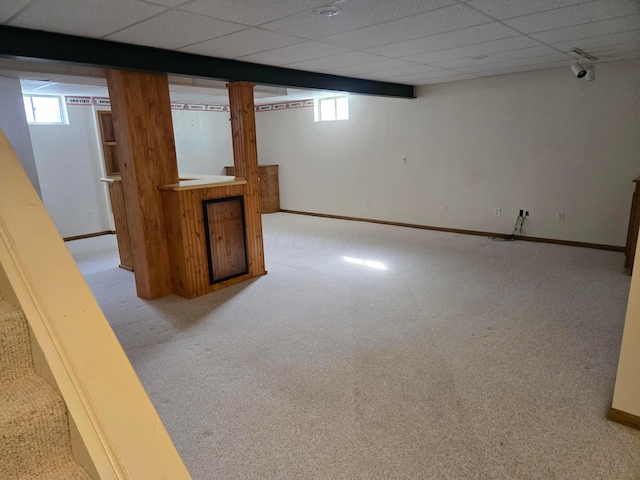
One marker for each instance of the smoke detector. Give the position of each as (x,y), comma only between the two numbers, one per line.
(328,11)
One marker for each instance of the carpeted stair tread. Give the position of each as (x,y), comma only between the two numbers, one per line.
(34,429)
(71,471)
(15,345)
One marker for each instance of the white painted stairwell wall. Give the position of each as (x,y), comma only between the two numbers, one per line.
(13,122)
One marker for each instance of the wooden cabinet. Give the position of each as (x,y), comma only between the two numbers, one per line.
(120,219)
(113,180)
(269,187)
(108,141)
(634,225)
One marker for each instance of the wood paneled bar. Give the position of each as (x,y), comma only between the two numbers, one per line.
(194,257)
(185,234)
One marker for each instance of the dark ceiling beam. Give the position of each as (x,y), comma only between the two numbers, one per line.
(38,45)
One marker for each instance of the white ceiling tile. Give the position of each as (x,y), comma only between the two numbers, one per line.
(174,29)
(452,78)
(371,67)
(574,15)
(245,42)
(355,14)
(9,9)
(626,55)
(336,61)
(601,41)
(75,80)
(57,88)
(618,49)
(425,79)
(502,9)
(457,38)
(430,23)
(485,48)
(594,29)
(168,3)
(251,12)
(497,57)
(542,61)
(406,71)
(28,74)
(89,18)
(391,76)
(294,53)
(524,68)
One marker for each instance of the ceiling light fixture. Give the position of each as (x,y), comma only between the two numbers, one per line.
(327,11)
(588,72)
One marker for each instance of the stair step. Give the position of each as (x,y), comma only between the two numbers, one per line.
(71,471)
(34,429)
(15,344)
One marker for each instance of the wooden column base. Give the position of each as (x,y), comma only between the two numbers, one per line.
(624,418)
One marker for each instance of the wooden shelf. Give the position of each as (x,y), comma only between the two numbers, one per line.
(116,196)
(108,142)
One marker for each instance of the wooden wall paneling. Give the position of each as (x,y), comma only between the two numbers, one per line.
(245,161)
(143,127)
(122,228)
(173,229)
(193,241)
(269,187)
(187,245)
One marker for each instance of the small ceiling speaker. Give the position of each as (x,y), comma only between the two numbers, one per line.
(591,73)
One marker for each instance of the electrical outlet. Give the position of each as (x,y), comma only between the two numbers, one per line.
(445,208)
(497,212)
(521,213)
(560,216)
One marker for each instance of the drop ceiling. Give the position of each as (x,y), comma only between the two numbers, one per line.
(413,42)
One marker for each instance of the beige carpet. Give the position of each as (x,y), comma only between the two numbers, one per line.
(34,427)
(422,355)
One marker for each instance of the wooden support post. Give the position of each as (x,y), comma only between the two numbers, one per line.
(245,161)
(146,150)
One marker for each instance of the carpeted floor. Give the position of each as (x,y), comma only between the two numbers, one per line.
(378,352)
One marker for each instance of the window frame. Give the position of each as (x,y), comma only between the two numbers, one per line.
(318,108)
(62,107)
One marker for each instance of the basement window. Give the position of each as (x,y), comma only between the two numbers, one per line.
(330,109)
(45,110)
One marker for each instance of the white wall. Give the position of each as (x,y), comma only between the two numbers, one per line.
(70,163)
(70,166)
(13,122)
(543,141)
(203,141)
